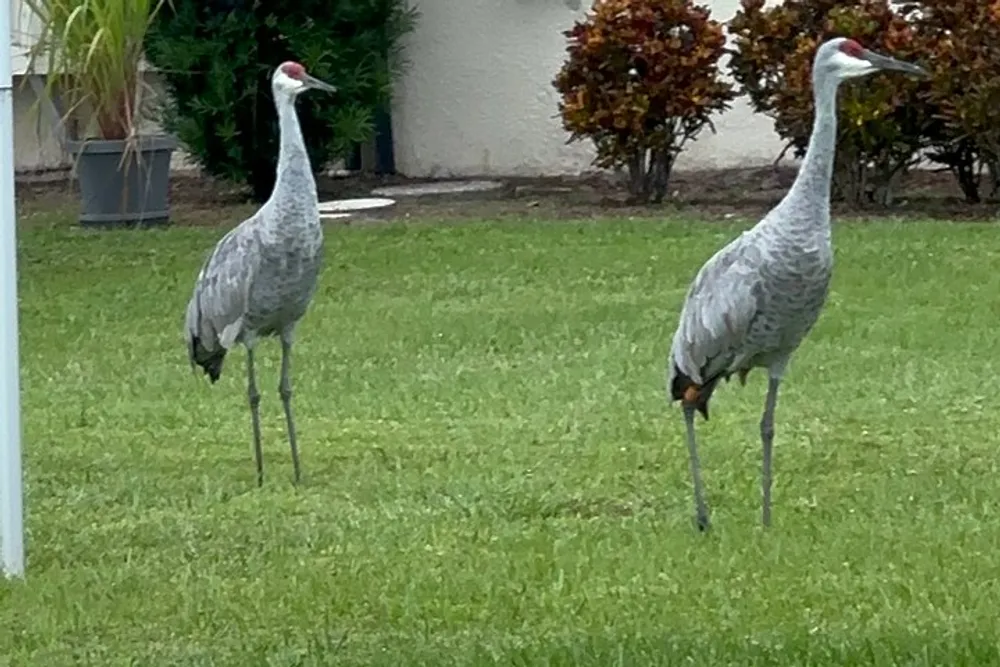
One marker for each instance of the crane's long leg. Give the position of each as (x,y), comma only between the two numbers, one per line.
(253,397)
(285,389)
(767,440)
(701,510)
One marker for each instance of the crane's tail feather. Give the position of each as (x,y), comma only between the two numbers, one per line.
(683,388)
(209,360)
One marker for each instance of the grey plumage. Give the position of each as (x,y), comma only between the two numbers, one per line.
(754,301)
(261,276)
(215,313)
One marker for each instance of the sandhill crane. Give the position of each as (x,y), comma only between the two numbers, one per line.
(752,303)
(260,278)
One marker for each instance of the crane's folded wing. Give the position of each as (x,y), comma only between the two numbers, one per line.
(720,306)
(219,302)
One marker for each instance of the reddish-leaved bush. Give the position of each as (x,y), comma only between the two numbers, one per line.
(881,125)
(641,79)
(960,45)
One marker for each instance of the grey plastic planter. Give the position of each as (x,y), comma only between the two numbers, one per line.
(117,194)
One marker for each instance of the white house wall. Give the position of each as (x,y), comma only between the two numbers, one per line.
(477,98)
(35,146)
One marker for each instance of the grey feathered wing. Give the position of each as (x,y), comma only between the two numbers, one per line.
(215,312)
(721,304)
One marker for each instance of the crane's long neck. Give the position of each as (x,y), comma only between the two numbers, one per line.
(812,185)
(294,173)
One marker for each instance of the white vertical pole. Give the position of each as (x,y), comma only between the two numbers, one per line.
(11,499)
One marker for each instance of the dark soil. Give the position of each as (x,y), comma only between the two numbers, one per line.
(704,195)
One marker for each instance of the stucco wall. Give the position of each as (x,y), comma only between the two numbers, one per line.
(477,98)
(34,146)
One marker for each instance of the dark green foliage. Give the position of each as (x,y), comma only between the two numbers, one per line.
(216,58)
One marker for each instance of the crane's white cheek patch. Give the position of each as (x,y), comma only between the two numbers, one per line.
(848,66)
(286,82)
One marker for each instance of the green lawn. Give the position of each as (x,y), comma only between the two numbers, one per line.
(492,474)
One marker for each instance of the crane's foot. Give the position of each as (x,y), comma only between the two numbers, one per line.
(702,522)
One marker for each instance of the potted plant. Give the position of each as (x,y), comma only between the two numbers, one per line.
(91,55)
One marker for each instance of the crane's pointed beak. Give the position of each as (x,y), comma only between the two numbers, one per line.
(313,82)
(885,62)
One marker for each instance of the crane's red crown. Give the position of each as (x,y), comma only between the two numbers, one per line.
(293,69)
(852,48)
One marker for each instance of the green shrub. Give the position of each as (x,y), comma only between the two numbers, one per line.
(640,80)
(216,58)
(882,125)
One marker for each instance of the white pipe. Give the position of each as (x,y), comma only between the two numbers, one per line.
(11,491)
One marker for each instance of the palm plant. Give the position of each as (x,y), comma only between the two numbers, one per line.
(91,53)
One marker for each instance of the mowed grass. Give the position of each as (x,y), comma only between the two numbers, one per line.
(492,474)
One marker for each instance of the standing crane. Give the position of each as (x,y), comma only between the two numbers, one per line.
(753,302)
(260,278)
